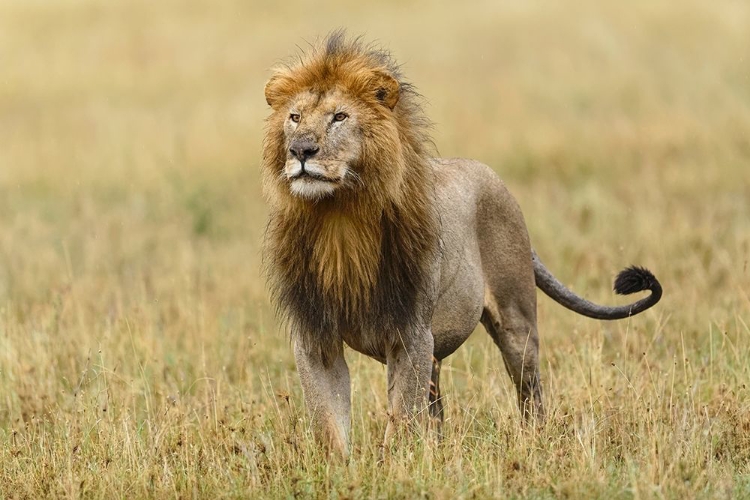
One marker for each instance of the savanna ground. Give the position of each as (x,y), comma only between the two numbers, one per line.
(139,356)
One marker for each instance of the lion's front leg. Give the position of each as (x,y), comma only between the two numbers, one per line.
(409,372)
(327,395)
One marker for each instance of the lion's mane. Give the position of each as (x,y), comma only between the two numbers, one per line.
(356,263)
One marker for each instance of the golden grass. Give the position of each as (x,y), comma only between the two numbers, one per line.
(139,356)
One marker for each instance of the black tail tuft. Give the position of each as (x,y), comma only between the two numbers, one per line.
(635,279)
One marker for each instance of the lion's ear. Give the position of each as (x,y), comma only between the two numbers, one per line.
(274,89)
(386,89)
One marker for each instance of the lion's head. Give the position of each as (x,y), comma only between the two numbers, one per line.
(340,118)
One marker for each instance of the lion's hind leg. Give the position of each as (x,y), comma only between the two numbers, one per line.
(516,336)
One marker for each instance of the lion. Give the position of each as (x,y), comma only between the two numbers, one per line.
(374,243)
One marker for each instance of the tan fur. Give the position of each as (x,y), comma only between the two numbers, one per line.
(373,243)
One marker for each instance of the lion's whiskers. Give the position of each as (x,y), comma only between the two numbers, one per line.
(354,176)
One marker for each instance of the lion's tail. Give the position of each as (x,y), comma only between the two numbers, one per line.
(630,280)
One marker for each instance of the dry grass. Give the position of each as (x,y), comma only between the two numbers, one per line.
(139,356)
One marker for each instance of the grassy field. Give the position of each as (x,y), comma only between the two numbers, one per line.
(139,356)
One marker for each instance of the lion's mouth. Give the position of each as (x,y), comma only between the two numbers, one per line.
(311,177)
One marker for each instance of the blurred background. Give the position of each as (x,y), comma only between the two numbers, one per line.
(131,217)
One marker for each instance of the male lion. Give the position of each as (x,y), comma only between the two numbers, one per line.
(374,243)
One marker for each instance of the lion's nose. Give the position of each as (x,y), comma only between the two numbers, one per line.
(303,150)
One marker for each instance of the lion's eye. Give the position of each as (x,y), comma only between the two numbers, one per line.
(340,117)
(294,117)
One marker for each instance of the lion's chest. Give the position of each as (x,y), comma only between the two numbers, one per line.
(368,340)
(344,262)
(364,283)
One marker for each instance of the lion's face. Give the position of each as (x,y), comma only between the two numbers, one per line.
(333,129)
(323,143)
